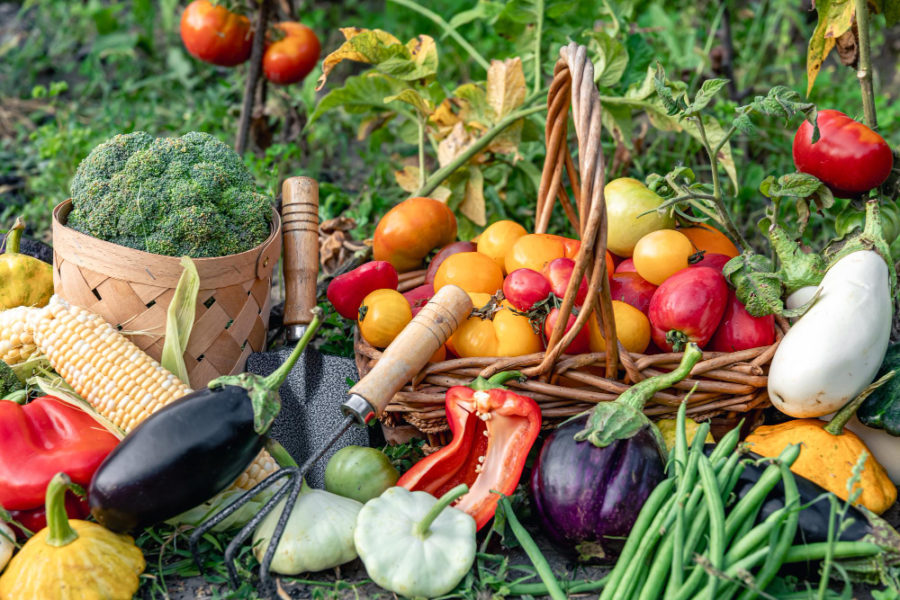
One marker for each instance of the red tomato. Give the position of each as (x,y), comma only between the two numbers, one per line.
(632,289)
(558,272)
(524,288)
(849,157)
(419,297)
(291,58)
(582,342)
(713,261)
(687,307)
(626,266)
(741,331)
(446,251)
(216,35)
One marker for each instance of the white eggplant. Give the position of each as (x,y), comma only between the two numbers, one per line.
(7,544)
(834,350)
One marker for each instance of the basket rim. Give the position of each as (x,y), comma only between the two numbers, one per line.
(159,270)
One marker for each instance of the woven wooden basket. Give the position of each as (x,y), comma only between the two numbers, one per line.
(728,384)
(132,290)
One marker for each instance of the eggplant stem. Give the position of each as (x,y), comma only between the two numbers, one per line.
(836,425)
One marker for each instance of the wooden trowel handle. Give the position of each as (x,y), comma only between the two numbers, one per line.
(410,351)
(300,232)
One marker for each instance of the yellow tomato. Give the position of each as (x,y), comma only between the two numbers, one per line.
(382,316)
(534,250)
(498,238)
(506,334)
(662,253)
(472,271)
(632,329)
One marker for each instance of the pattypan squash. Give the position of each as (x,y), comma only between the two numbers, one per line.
(413,544)
(72,560)
(7,544)
(24,280)
(318,535)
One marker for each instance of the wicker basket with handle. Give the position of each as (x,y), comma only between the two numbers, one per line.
(728,384)
(132,290)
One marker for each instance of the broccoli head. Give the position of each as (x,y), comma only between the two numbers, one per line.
(190,195)
(8,381)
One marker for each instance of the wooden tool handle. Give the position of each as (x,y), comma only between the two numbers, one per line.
(300,230)
(410,350)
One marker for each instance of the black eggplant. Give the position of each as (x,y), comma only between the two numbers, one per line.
(189,451)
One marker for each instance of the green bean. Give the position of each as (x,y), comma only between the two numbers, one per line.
(758,493)
(818,550)
(680,454)
(716,511)
(727,444)
(725,478)
(652,507)
(786,537)
(734,571)
(631,574)
(662,562)
(570,587)
(754,537)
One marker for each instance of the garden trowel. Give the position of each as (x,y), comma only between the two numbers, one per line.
(312,394)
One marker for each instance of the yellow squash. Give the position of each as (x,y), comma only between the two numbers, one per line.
(72,560)
(828,458)
(24,280)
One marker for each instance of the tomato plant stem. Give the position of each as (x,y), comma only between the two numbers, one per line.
(420,120)
(253,71)
(538,32)
(864,71)
(448,29)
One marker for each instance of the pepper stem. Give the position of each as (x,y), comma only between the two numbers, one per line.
(836,425)
(14,236)
(422,527)
(495,382)
(61,532)
(274,380)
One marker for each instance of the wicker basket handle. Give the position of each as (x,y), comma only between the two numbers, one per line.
(573,80)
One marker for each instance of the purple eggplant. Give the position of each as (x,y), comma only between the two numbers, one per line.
(595,472)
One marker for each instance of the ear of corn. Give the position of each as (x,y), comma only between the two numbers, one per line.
(16,339)
(119,380)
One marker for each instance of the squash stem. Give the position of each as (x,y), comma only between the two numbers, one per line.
(273,382)
(14,236)
(61,532)
(422,527)
(836,425)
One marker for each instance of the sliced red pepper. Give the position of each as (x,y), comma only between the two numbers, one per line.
(42,438)
(493,431)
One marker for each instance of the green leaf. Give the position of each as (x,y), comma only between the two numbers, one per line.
(420,62)
(618,121)
(360,94)
(756,285)
(475,104)
(609,57)
(180,321)
(707,93)
(672,105)
(485,10)
(797,185)
(410,96)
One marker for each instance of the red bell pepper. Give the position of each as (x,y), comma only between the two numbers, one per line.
(42,438)
(493,430)
(36,519)
(346,292)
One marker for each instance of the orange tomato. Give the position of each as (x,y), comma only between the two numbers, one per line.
(534,250)
(439,355)
(713,241)
(660,254)
(632,329)
(506,334)
(382,316)
(472,271)
(610,265)
(412,229)
(498,238)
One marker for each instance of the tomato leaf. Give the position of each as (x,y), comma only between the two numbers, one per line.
(890,9)
(808,191)
(410,96)
(360,93)
(420,61)
(755,283)
(372,46)
(705,95)
(505,93)
(452,145)
(835,19)
(472,205)
(609,57)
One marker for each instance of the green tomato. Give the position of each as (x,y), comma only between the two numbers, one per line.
(359,473)
(626,200)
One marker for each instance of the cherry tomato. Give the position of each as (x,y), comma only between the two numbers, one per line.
(632,329)
(440,355)
(738,330)
(216,35)
(713,261)
(631,214)
(626,266)
(632,289)
(582,342)
(409,231)
(710,240)
(382,316)
(294,56)
(558,272)
(498,238)
(524,288)
(454,248)
(534,250)
(472,271)
(504,334)
(419,297)
(849,157)
(660,254)
(687,307)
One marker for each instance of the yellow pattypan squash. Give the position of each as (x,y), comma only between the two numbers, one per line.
(72,560)
(667,429)
(24,280)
